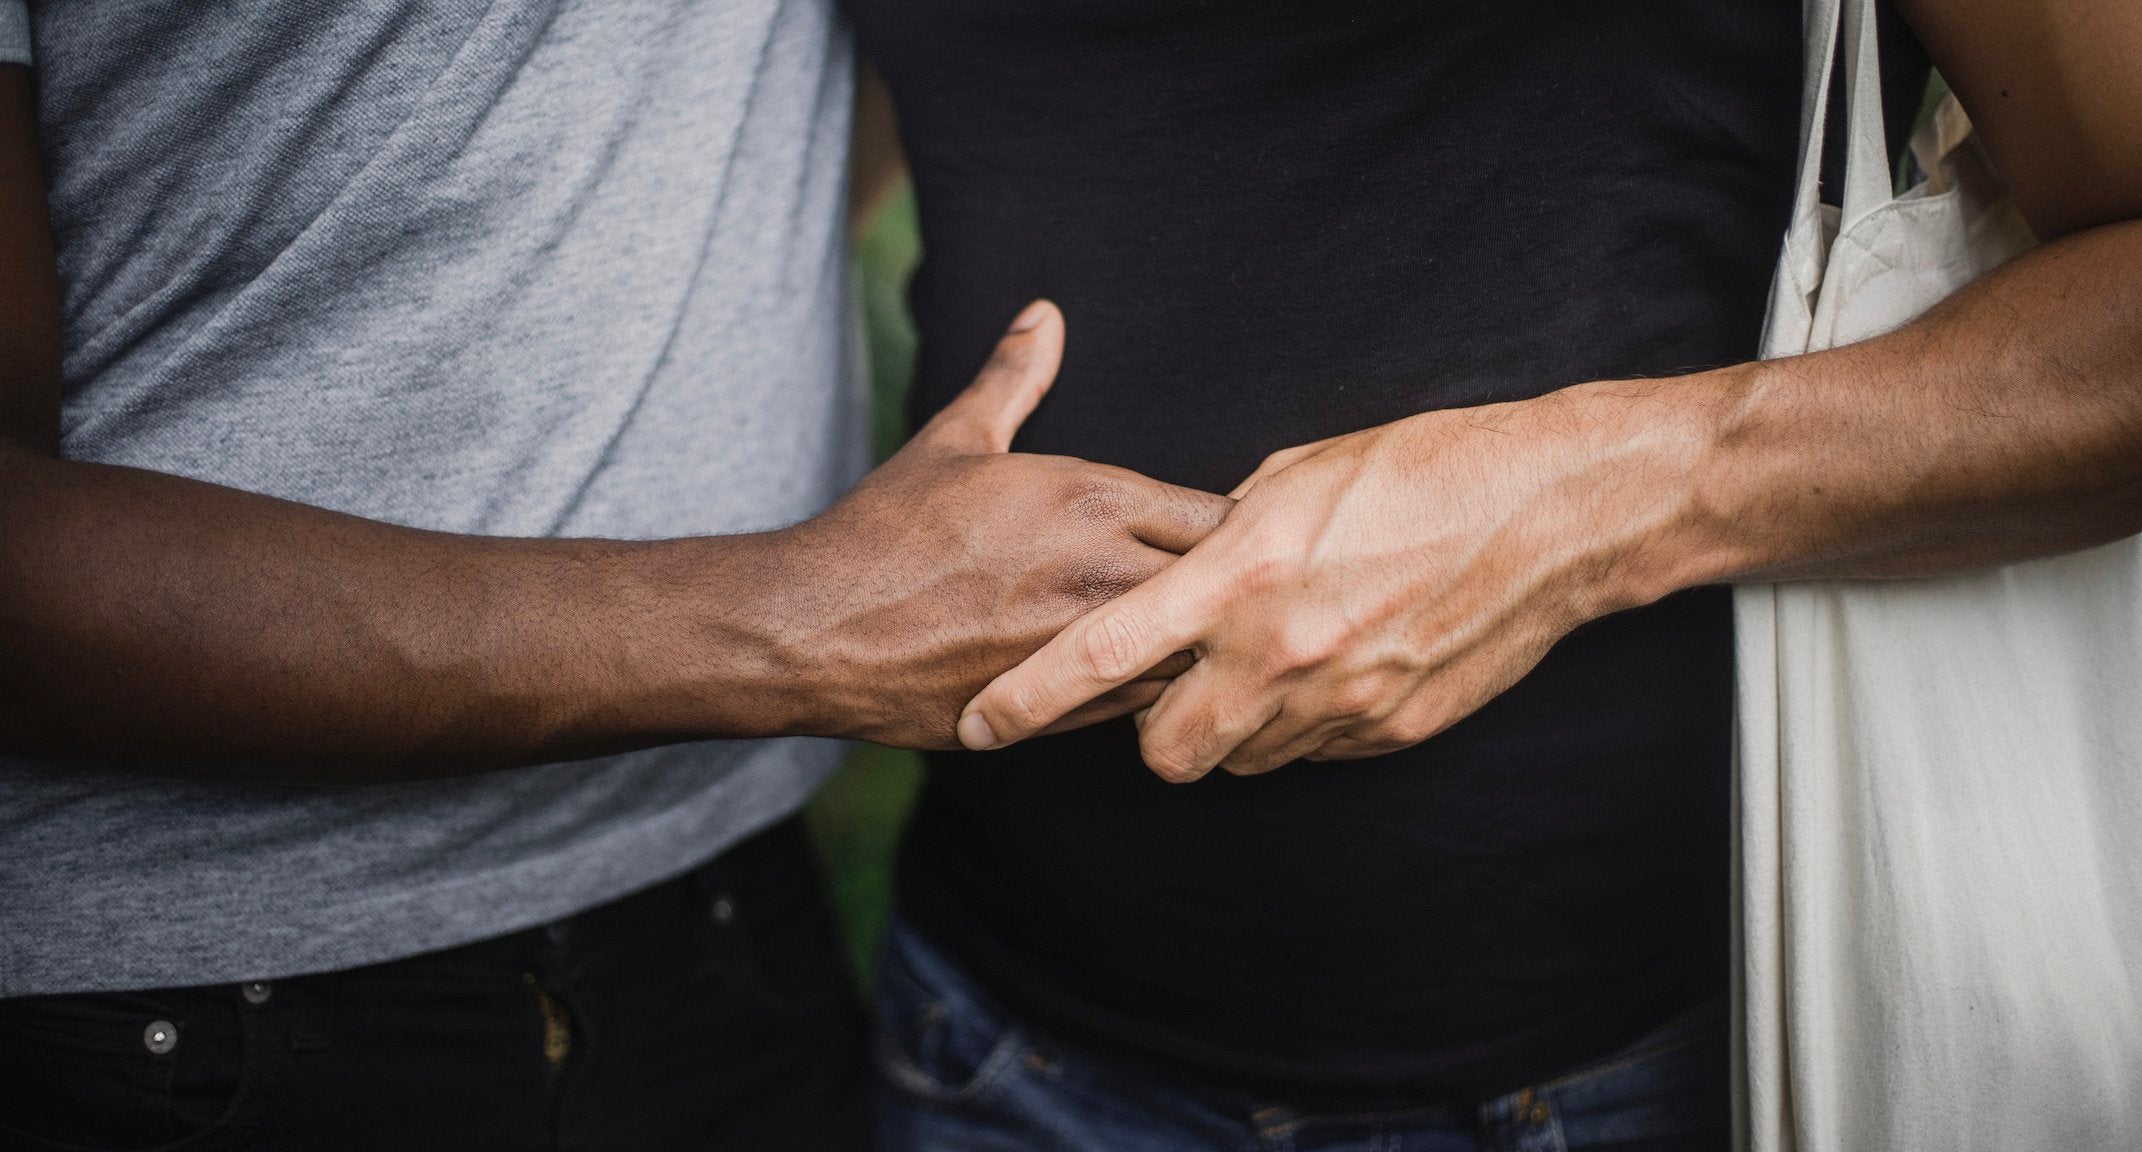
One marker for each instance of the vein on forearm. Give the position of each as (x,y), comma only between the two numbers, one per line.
(2004,425)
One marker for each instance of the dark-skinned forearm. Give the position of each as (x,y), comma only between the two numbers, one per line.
(188,627)
(2004,425)
(152,616)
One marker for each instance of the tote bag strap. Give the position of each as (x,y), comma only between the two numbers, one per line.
(1820,20)
(1867,180)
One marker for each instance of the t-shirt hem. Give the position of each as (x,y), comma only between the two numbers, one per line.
(454,911)
(14,32)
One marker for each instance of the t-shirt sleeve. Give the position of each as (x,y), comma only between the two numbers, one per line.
(14,32)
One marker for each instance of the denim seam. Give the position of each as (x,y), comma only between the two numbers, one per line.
(910,1076)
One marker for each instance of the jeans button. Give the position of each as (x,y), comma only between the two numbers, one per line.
(160,1037)
(723,909)
(256,992)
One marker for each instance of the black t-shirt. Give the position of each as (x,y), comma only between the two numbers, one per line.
(1269,223)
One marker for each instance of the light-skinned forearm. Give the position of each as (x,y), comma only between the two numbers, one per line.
(2004,425)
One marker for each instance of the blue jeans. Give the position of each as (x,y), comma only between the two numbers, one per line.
(956,1074)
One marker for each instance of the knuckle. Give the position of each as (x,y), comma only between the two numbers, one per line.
(1356,696)
(1264,573)
(1110,647)
(1172,763)
(1097,499)
(1024,711)
(1303,643)
(1206,511)
(1098,579)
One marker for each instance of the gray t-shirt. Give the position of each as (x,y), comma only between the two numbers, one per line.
(510,267)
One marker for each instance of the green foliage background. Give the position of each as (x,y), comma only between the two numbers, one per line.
(856,819)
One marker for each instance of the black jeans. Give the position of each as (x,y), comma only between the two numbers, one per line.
(710,1012)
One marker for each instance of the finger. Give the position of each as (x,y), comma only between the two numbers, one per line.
(1102,650)
(1170,668)
(1395,733)
(1197,722)
(1136,696)
(986,416)
(1425,716)
(1280,461)
(1172,518)
(1325,712)
(1278,744)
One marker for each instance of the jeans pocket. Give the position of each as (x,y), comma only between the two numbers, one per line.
(166,1070)
(937,1040)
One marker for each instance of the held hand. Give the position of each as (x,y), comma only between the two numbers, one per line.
(958,558)
(1368,592)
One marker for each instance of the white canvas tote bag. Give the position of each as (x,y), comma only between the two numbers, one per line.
(1940,781)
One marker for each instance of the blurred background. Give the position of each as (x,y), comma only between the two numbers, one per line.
(856,819)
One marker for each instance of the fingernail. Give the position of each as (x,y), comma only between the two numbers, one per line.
(976,733)
(1030,318)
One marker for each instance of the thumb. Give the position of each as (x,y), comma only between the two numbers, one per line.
(986,416)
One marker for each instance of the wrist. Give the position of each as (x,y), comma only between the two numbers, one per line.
(1659,508)
(720,652)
